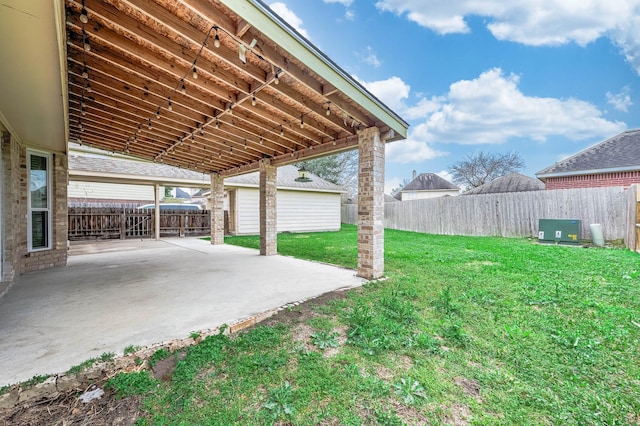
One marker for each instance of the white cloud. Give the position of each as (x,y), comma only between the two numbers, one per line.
(392,91)
(345,3)
(445,175)
(620,101)
(492,109)
(292,19)
(411,150)
(533,22)
(489,109)
(370,58)
(350,15)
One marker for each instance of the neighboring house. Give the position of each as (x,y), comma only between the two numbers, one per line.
(514,182)
(427,185)
(614,162)
(301,206)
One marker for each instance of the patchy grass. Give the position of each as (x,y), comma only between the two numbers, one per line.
(465,330)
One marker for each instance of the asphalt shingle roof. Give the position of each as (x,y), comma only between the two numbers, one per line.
(129,167)
(429,182)
(515,182)
(619,152)
(286,174)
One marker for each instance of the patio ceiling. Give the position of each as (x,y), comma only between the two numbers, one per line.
(208,85)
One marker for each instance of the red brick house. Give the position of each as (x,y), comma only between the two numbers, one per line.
(614,162)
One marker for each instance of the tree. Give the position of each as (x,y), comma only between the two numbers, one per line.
(341,169)
(399,188)
(482,167)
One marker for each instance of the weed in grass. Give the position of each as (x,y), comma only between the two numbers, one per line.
(194,335)
(279,402)
(455,333)
(158,356)
(388,418)
(134,383)
(426,342)
(514,332)
(106,357)
(131,349)
(409,390)
(76,369)
(445,303)
(35,380)
(325,340)
(398,309)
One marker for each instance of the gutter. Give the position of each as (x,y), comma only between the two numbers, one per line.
(588,172)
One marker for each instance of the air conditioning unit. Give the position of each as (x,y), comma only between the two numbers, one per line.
(561,231)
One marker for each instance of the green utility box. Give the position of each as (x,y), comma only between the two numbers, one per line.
(563,231)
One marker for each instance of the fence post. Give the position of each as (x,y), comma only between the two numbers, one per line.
(123,225)
(182,221)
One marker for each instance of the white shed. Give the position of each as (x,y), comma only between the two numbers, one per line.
(301,206)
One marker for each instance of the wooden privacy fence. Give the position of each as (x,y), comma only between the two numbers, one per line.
(87,223)
(515,214)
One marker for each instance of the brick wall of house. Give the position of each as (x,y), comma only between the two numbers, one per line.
(625,179)
(16,259)
(10,157)
(57,256)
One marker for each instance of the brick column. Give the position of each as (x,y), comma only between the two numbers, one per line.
(268,213)
(217,209)
(370,204)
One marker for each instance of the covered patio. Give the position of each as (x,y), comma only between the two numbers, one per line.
(223,88)
(142,292)
(219,87)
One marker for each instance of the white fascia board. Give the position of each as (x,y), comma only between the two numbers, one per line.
(83,175)
(256,13)
(588,172)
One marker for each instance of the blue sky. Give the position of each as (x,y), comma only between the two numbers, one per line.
(544,78)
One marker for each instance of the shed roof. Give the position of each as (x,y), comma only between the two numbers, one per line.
(429,182)
(619,153)
(514,182)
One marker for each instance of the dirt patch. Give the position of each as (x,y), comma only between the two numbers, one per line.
(341,338)
(163,369)
(460,415)
(303,311)
(469,386)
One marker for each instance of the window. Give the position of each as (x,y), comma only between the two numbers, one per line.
(39,201)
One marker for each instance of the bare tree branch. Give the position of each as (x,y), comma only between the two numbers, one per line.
(480,168)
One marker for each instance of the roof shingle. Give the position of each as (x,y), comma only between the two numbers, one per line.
(514,182)
(429,182)
(621,152)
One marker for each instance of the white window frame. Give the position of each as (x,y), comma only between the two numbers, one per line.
(49,165)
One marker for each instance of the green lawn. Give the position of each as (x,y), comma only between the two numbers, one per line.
(465,330)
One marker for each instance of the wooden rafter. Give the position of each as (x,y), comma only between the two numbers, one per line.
(139,55)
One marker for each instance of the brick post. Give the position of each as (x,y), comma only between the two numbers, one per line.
(370,204)
(217,209)
(268,212)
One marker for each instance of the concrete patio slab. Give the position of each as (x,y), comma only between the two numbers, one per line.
(120,293)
